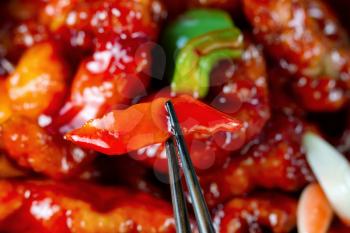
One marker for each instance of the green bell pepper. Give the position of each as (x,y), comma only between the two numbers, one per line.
(196,60)
(191,24)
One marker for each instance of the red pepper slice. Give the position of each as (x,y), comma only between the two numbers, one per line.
(144,124)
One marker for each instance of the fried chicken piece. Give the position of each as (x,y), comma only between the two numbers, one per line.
(38,84)
(118,35)
(34,148)
(47,206)
(112,78)
(306,39)
(79,23)
(274,160)
(258,213)
(239,89)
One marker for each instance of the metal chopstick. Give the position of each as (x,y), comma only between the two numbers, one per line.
(177,194)
(201,211)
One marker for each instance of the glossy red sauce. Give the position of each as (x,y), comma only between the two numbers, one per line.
(70,207)
(65,62)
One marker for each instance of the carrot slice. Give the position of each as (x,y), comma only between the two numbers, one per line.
(314,213)
(332,171)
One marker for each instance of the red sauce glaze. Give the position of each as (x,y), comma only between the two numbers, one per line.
(205,153)
(80,22)
(107,48)
(39,82)
(239,89)
(305,39)
(274,160)
(32,95)
(119,35)
(33,148)
(53,207)
(267,212)
(118,72)
(323,94)
(16,38)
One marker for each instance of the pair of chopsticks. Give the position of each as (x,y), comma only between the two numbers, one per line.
(201,211)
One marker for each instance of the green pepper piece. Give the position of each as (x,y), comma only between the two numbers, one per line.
(191,24)
(196,60)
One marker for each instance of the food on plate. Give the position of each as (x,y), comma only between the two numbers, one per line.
(261,89)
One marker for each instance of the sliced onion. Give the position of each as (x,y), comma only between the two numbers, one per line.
(332,171)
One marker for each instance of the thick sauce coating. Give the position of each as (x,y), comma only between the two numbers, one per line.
(65,62)
(275,160)
(306,40)
(239,89)
(34,148)
(39,81)
(265,212)
(79,207)
(120,33)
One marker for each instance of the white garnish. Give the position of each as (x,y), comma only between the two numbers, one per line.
(332,171)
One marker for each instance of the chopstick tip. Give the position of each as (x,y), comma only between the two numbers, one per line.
(168,104)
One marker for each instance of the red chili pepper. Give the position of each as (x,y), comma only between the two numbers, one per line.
(144,124)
